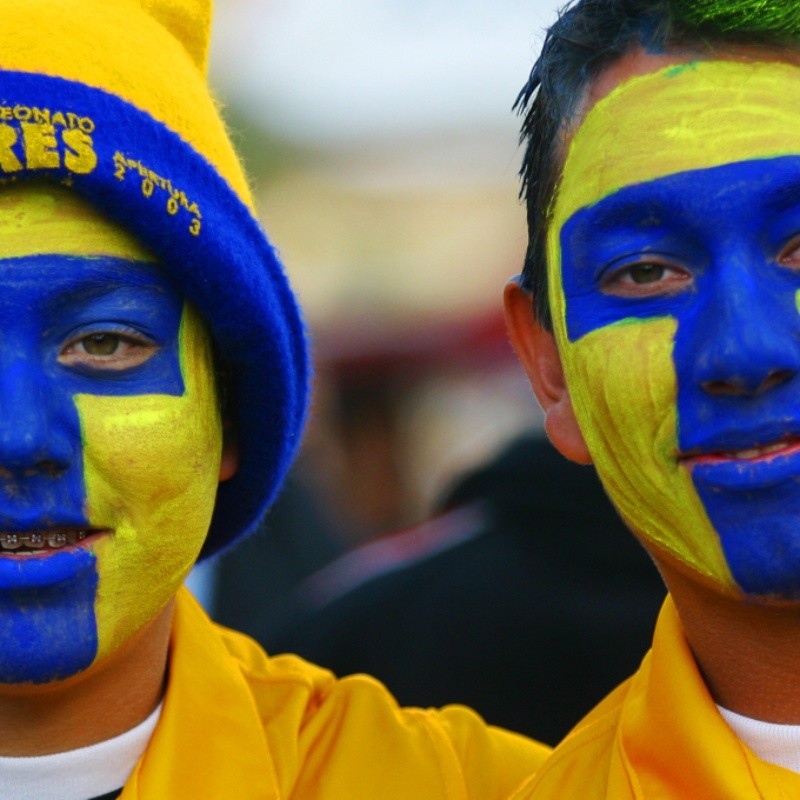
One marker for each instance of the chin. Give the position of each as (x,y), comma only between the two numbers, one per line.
(48,634)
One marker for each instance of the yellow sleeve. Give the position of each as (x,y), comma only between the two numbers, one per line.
(493,761)
(348,739)
(355,743)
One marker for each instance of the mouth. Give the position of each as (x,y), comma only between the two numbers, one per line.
(747,468)
(32,542)
(786,447)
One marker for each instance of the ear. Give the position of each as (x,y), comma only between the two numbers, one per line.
(536,349)
(230,451)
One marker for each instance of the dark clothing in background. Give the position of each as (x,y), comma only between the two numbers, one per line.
(529,602)
(254,582)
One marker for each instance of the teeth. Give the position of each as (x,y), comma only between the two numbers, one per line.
(747,453)
(40,539)
(57,539)
(773,447)
(755,452)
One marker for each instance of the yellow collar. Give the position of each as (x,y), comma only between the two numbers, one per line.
(209,742)
(658,735)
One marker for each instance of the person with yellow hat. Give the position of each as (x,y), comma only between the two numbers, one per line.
(153,387)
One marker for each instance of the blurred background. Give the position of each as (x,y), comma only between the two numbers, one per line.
(383,150)
(382,147)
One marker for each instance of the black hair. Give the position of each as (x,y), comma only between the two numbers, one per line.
(587,37)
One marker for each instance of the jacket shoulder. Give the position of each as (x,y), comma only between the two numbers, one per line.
(579,767)
(346,736)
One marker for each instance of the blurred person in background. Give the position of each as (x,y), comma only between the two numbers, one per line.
(510,599)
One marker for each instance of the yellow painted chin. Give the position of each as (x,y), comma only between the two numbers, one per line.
(151,469)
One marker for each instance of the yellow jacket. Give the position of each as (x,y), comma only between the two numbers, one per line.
(237,724)
(659,735)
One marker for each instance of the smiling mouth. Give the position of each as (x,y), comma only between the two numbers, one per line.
(765,452)
(42,541)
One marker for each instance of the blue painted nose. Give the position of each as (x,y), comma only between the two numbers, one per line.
(745,335)
(35,431)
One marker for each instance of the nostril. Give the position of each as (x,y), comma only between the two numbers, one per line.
(775,378)
(738,386)
(723,387)
(44,467)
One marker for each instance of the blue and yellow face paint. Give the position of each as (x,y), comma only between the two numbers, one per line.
(109,430)
(675,274)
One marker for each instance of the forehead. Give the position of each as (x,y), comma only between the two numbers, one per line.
(651,116)
(58,252)
(40,219)
(639,62)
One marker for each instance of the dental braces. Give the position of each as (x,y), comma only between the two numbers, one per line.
(13,541)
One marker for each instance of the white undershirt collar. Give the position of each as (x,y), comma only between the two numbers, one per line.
(771,742)
(77,774)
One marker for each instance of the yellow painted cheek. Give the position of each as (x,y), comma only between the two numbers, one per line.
(151,468)
(621,377)
(622,383)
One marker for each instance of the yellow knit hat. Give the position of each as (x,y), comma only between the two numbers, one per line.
(110,98)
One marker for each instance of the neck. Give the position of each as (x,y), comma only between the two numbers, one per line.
(106,700)
(748,653)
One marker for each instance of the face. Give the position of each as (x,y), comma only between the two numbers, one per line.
(110,437)
(674,257)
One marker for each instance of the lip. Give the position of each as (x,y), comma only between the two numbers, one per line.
(49,569)
(44,541)
(746,468)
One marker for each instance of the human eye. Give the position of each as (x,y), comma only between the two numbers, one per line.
(790,255)
(107,350)
(645,278)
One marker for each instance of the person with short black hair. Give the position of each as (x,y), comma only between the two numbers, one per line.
(657,318)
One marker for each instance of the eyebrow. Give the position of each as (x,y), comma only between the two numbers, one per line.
(609,214)
(784,195)
(97,286)
(87,288)
(112,297)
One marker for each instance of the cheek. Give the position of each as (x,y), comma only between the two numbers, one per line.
(151,465)
(622,382)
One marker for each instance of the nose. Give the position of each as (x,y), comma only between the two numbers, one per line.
(34,438)
(746,337)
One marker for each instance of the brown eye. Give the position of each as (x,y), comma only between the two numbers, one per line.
(647,279)
(101,344)
(108,350)
(791,255)
(646,273)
